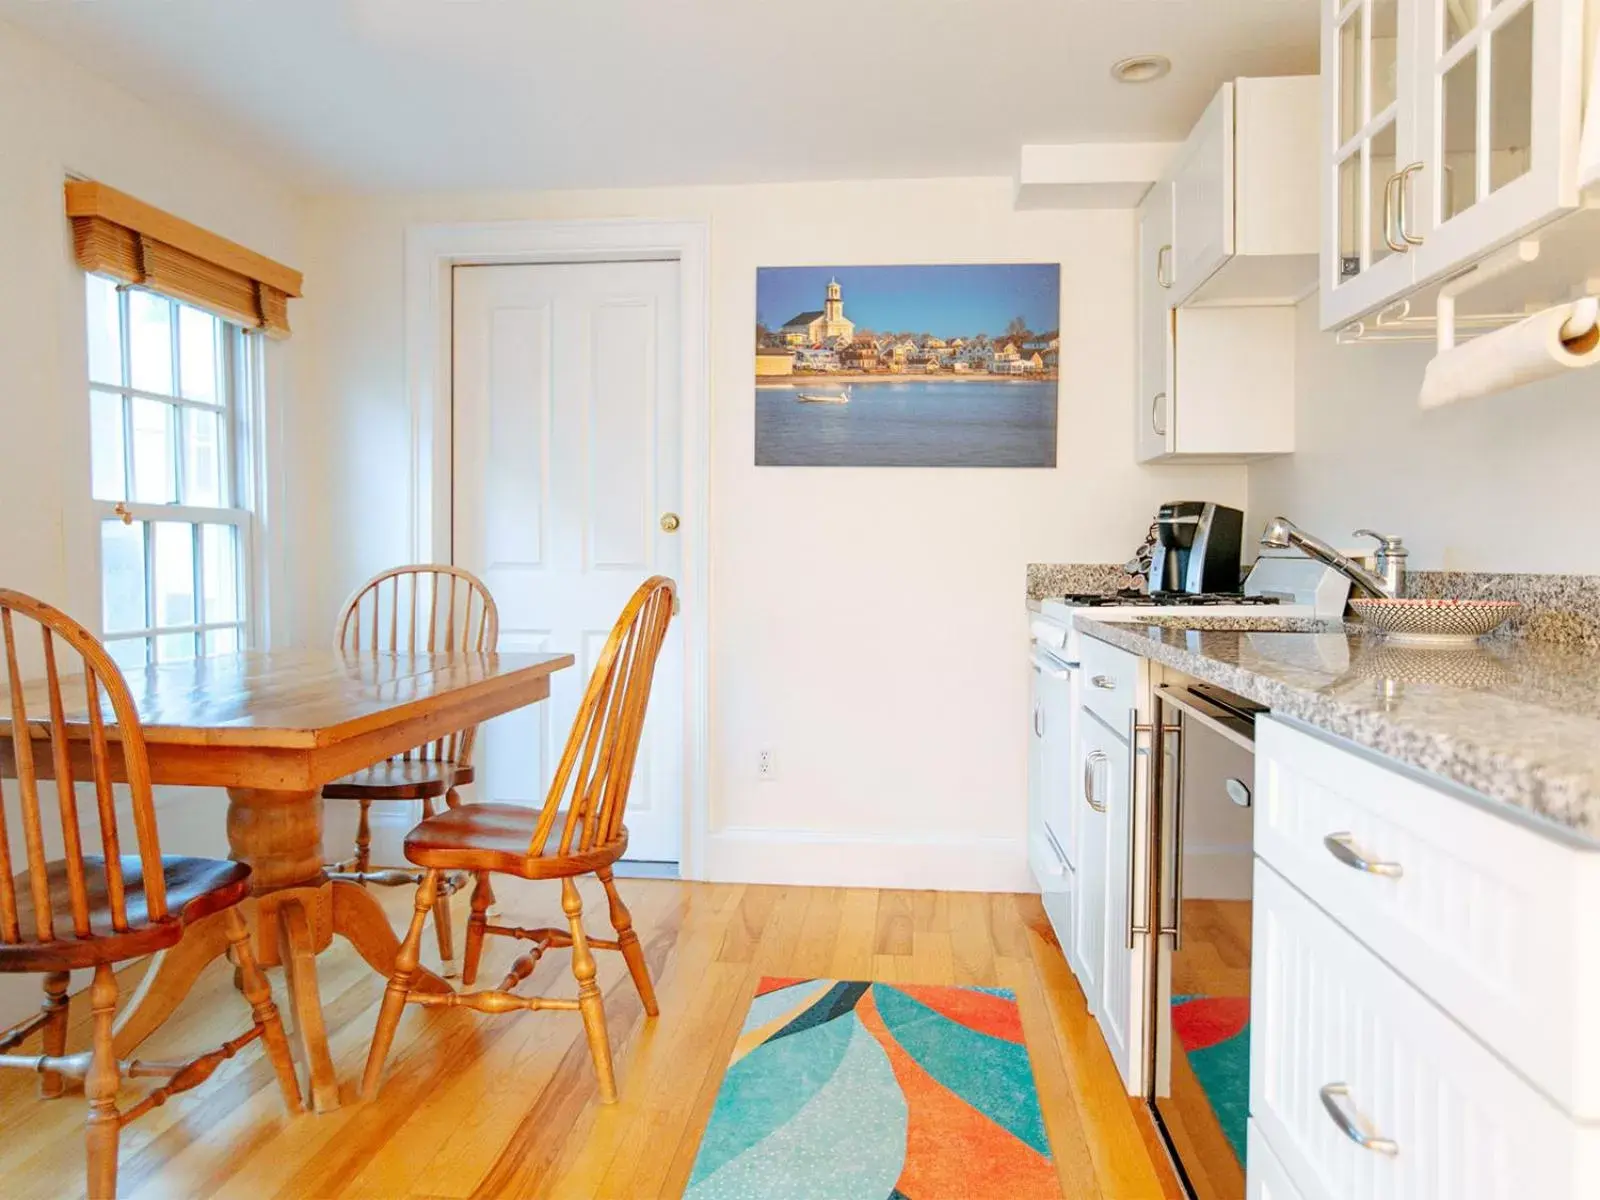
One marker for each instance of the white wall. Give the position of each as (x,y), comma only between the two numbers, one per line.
(1498,484)
(867,624)
(55,119)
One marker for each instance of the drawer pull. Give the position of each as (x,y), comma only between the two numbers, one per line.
(1350,1125)
(1095,758)
(1342,847)
(1104,682)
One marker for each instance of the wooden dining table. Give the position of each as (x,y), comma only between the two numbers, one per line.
(271,728)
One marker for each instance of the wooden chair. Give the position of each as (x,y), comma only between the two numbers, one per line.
(94,911)
(433,608)
(590,790)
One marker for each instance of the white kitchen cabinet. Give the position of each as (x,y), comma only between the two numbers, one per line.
(1449,128)
(1227,244)
(1152,412)
(1110,767)
(1089,913)
(1245,197)
(1342,1049)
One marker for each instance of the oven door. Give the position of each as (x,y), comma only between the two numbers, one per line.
(1200,1074)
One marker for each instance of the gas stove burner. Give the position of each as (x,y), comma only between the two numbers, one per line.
(1131,599)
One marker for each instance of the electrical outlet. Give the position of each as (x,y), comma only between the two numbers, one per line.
(766,765)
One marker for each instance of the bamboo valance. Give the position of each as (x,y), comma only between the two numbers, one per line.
(116,235)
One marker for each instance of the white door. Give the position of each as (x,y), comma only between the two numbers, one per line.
(1089,914)
(1500,104)
(567,454)
(1152,406)
(1122,982)
(1368,132)
(1202,199)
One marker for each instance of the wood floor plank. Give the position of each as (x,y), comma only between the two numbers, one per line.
(476,1105)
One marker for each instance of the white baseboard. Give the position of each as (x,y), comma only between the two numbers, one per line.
(795,856)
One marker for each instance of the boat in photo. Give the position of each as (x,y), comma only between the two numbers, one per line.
(840,397)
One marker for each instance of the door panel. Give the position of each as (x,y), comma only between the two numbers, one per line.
(1153,405)
(567,456)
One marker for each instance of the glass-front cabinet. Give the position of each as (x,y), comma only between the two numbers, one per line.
(1500,109)
(1369,132)
(1450,128)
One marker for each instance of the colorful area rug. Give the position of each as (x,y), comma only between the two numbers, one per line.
(876,1091)
(1214,1032)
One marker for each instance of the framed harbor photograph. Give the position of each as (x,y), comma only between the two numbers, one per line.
(907,366)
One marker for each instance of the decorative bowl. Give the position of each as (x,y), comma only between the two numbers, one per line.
(1434,622)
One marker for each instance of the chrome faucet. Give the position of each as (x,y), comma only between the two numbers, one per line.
(1390,582)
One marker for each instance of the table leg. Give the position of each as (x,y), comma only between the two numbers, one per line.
(298,951)
(360,920)
(167,981)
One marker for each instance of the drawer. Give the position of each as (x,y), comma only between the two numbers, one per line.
(1487,917)
(1265,1177)
(1110,682)
(1336,1036)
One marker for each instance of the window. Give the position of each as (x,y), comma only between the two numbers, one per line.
(169,386)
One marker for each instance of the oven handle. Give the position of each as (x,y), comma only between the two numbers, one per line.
(1189,704)
(1050,667)
(1176,844)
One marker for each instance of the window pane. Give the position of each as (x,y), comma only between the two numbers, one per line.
(197,351)
(222,641)
(219,556)
(1382,165)
(150,342)
(105,331)
(174,561)
(1459,94)
(106,446)
(129,653)
(122,574)
(1352,81)
(1511,100)
(203,481)
(175,647)
(154,480)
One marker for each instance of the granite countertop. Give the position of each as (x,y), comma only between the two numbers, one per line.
(1516,719)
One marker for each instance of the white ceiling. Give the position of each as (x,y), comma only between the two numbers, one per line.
(371,95)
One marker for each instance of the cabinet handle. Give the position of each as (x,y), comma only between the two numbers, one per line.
(1104,682)
(1158,408)
(1038,721)
(1404,190)
(1164,256)
(1342,847)
(1134,730)
(1095,757)
(1176,844)
(1350,1125)
(1389,237)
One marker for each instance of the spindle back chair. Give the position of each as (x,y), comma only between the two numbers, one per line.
(578,830)
(429,608)
(88,910)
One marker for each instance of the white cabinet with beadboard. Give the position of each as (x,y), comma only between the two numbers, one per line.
(1449,129)
(1422,980)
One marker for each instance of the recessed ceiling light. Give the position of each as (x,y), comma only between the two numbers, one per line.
(1141,68)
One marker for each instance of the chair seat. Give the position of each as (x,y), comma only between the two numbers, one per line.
(398,779)
(196,887)
(495,837)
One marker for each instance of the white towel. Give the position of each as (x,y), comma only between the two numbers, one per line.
(1528,351)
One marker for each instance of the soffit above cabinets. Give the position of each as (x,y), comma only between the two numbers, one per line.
(1090,174)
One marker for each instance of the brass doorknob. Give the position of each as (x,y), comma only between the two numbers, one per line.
(669,523)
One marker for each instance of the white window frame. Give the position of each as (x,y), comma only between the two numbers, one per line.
(242,410)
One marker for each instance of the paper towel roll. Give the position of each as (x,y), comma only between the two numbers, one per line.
(1526,352)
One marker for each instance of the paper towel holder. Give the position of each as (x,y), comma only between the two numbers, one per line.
(1396,324)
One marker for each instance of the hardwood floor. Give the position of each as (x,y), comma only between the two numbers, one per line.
(507,1106)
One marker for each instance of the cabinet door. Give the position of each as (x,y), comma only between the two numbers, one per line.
(1152,402)
(1089,915)
(1122,987)
(1057,701)
(1202,182)
(1368,120)
(1035,747)
(1500,106)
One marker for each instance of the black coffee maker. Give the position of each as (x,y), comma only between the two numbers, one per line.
(1197,548)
